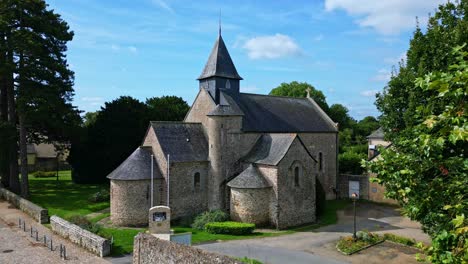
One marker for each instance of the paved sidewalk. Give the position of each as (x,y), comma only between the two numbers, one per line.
(17,246)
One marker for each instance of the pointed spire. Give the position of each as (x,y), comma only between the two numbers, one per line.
(219,62)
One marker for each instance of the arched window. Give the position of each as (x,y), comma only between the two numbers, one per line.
(320,161)
(297,175)
(196,181)
(228,84)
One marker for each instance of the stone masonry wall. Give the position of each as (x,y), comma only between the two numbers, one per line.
(251,205)
(130,201)
(297,204)
(327,144)
(202,105)
(148,249)
(185,198)
(82,237)
(40,214)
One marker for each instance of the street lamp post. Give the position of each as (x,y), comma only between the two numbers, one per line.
(354,197)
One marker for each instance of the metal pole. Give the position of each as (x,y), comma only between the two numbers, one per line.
(152,184)
(168,177)
(354,230)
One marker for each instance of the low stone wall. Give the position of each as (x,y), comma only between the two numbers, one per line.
(148,249)
(80,236)
(40,214)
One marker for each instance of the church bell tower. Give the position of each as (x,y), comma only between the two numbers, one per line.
(220,72)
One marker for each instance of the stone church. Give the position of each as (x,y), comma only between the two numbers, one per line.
(261,158)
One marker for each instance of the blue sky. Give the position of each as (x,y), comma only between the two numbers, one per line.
(146,48)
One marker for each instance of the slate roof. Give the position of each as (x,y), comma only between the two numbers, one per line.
(219,63)
(278,114)
(379,133)
(250,178)
(184,142)
(136,167)
(270,149)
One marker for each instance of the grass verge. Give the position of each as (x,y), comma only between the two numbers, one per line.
(348,245)
(249,260)
(63,197)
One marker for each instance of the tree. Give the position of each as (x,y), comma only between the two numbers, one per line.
(117,131)
(39,96)
(90,118)
(339,114)
(429,51)
(366,126)
(426,168)
(299,89)
(168,108)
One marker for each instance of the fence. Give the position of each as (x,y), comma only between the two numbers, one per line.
(46,241)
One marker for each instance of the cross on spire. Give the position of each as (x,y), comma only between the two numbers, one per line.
(308,90)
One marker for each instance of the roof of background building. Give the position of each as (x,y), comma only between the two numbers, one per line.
(137,167)
(250,178)
(379,133)
(278,114)
(219,63)
(184,142)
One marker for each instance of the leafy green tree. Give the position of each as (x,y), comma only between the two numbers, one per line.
(426,168)
(35,41)
(167,108)
(429,51)
(299,89)
(339,114)
(366,126)
(117,131)
(90,118)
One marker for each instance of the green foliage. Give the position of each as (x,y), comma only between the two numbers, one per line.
(44,174)
(348,245)
(101,196)
(426,167)
(399,239)
(210,216)
(350,162)
(339,114)
(299,89)
(116,132)
(247,260)
(232,228)
(84,223)
(90,118)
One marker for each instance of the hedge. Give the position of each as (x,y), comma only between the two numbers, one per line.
(45,174)
(231,228)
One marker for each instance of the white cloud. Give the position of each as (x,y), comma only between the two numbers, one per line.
(132,49)
(383,75)
(115,47)
(163,4)
(369,93)
(92,99)
(388,17)
(271,47)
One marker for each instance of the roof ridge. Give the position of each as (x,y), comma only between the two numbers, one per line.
(176,122)
(277,96)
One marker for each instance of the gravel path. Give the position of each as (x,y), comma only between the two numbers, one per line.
(17,246)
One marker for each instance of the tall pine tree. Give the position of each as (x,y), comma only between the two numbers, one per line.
(42,88)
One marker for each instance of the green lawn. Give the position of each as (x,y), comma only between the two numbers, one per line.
(63,197)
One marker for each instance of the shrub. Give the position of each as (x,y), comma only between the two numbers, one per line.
(212,216)
(101,196)
(44,174)
(350,162)
(231,228)
(400,239)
